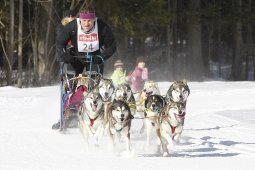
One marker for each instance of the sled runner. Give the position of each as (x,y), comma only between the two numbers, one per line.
(73,88)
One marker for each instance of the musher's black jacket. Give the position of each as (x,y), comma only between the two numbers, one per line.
(107,45)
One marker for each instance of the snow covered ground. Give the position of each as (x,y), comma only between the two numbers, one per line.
(219,133)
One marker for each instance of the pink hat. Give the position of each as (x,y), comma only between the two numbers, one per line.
(87,15)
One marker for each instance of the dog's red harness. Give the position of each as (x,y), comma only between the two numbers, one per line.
(92,121)
(172,129)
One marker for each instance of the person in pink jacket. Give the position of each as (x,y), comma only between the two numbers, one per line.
(139,75)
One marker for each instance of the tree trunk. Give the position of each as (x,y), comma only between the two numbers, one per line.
(20,43)
(237,60)
(196,67)
(171,39)
(250,47)
(34,42)
(11,43)
(47,44)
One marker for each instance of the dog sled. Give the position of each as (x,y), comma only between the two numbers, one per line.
(72,90)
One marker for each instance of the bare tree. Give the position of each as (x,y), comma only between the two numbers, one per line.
(237,61)
(196,67)
(11,42)
(20,52)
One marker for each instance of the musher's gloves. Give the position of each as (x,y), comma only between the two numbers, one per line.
(66,58)
(97,59)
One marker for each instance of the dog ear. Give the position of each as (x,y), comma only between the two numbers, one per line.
(111,81)
(188,89)
(163,101)
(168,93)
(184,81)
(171,87)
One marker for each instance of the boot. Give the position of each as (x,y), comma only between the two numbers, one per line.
(56,126)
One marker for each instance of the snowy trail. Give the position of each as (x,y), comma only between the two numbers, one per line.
(218,133)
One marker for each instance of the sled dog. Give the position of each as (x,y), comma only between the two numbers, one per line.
(91,117)
(153,106)
(178,92)
(120,118)
(171,124)
(123,92)
(106,90)
(150,88)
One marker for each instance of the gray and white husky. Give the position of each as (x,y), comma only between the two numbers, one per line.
(123,92)
(178,92)
(171,124)
(106,90)
(120,118)
(91,117)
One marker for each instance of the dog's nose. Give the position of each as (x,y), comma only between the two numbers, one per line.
(180,112)
(94,102)
(153,105)
(181,96)
(124,94)
(106,93)
(122,115)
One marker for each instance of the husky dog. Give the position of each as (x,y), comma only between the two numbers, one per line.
(153,106)
(150,88)
(178,92)
(171,124)
(123,92)
(106,90)
(91,117)
(120,118)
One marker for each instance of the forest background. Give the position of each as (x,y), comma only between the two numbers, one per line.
(195,40)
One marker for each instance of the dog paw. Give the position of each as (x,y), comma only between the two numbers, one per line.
(165,154)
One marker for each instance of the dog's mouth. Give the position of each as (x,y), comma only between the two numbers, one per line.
(148,93)
(180,117)
(94,107)
(181,99)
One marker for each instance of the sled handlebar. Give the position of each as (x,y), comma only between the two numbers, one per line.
(88,58)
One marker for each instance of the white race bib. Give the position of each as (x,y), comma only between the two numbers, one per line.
(87,42)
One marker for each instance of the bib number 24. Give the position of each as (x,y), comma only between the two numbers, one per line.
(88,47)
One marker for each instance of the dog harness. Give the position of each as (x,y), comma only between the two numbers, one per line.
(164,116)
(90,119)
